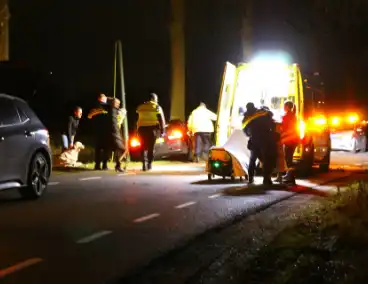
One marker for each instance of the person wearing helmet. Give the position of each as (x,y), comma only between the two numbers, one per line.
(150,125)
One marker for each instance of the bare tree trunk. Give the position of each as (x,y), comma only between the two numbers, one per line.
(177,59)
(246,32)
(4,31)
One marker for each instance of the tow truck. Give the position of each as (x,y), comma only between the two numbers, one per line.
(271,82)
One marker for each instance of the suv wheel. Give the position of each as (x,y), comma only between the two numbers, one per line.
(38,177)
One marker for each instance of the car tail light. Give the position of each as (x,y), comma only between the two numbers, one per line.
(175,134)
(135,143)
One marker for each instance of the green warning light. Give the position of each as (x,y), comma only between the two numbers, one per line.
(216,164)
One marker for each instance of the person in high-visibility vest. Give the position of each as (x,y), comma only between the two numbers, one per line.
(150,125)
(200,124)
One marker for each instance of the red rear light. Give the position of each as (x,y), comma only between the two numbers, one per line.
(175,134)
(135,143)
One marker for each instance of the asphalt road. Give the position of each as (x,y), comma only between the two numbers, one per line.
(93,227)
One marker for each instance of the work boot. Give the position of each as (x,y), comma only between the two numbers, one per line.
(278,178)
(267,181)
(289,178)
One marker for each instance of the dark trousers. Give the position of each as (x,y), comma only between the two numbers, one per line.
(254,155)
(148,136)
(289,153)
(267,154)
(202,143)
(101,154)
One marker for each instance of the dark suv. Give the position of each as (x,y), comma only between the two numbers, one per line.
(25,155)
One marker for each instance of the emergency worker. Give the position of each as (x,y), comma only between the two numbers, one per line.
(200,124)
(289,139)
(150,125)
(250,110)
(101,126)
(118,145)
(260,127)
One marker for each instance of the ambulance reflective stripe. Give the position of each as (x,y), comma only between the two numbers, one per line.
(147,114)
(254,116)
(96,111)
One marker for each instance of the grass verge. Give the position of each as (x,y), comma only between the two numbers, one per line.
(329,245)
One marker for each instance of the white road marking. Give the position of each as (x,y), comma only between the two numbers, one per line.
(93,237)
(19,266)
(54,183)
(215,195)
(187,204)
(89,178)
(146,218)
(126,174)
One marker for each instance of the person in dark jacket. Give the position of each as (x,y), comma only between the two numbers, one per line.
(70,132)
(101,125)
(117,141)
(260,127)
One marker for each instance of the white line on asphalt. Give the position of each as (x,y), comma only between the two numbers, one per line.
(215,195)
(126,174)
(146,218)
(54,183)
(19,266)
(93,237)
(185,205)
(89,178)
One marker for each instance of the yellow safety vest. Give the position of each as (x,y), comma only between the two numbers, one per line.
(147,114)
(251,117)
(96,111)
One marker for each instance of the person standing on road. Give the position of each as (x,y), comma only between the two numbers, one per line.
(260,127)
(200,124)
(150,124)
(254,155)
(289,139)
(101,125)
(69,133)
(117,142)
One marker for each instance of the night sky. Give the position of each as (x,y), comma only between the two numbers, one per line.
(75,41)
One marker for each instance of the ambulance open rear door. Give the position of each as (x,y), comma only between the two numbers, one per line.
(223,123)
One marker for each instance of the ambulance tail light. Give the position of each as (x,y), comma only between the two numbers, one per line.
(353,119)
(175,134)
(319,121)
(302,129)
(335,121)
(135,142)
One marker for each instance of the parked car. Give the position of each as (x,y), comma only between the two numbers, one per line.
(174,144)
(25,152)
(348,136)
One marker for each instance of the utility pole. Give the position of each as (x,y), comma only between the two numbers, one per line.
(118,59)
(177,35)
(246,31)
(4,30)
